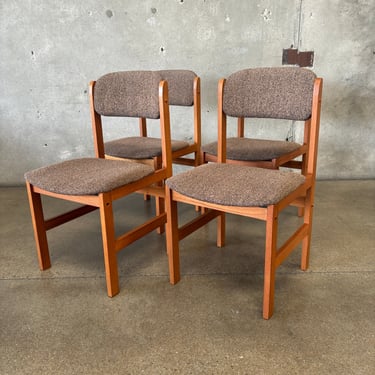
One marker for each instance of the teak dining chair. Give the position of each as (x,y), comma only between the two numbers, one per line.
(184,91)
(265,153)
(97,182)
(253,192)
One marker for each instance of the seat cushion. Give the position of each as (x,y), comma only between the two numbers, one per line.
(139,147)
(87,176)
(248,149)
(235,185)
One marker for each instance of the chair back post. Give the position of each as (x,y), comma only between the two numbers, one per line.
(222,124)
(314,128)
(165,128)
(142,127)
(240,127)
(197,117)
(96,123)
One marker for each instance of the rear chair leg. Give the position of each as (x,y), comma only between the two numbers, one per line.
(220,240)
(160,208)
(159,201)
(308,211)
(172,238)
(40,233)
(301,210)
(269,262)
(108,236)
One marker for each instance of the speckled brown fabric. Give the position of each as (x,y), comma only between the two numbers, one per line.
(235,185)
(130,94)
(139,147)
(180,86)
(87,176)
(253,149)
(284,93)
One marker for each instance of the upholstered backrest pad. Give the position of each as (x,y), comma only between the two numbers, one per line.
(130,94)
(180,86)
(283,93)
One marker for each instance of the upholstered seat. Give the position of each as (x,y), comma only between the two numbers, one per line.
(139,147)
(253,149)
(235,185)
(87,176)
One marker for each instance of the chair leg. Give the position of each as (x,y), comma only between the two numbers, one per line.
(301,210)
(220,240)
(308,213)
(160,208)
(269,262)
(108,236)
(172,238)
(40,233)
(159,201)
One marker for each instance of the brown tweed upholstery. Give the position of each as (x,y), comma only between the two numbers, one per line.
(87,176)
(139,147)
(284,93)
(180,86)
(253,149)
(130,94)
(235,185)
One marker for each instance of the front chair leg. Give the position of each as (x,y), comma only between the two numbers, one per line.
(40,233)
(269,262)
(108,236)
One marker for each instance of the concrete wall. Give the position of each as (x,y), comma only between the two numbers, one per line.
(50,50)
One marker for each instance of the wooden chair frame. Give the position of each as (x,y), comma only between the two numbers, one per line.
(303,197)
(178,157)
(104,202)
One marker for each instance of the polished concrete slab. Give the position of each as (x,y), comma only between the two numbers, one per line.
(60,321)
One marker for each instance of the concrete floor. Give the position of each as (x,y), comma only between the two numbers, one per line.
(60,321)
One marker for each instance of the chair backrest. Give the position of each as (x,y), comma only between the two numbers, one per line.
(281,93)
(288,93)
(139,94)
(128,94)
(184,90)
(180,86)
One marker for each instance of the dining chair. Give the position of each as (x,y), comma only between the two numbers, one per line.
(259,193)
(265,153)
(184,91)
(96,182)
